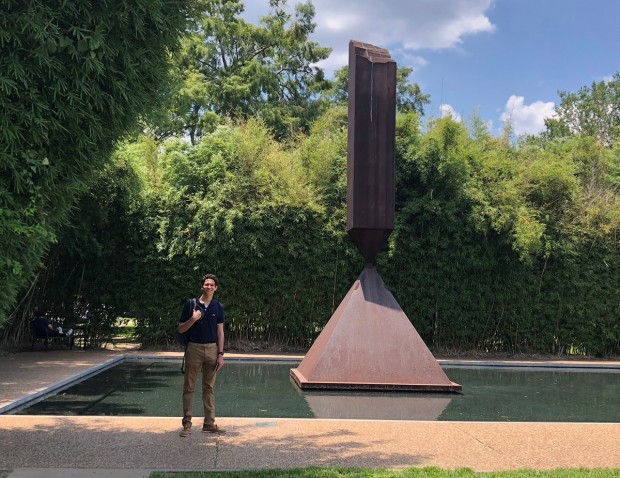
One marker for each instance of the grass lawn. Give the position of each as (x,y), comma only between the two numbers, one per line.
(408,473)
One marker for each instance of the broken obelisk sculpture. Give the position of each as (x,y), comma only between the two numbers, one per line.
(369,343)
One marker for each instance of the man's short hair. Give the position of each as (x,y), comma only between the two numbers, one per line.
(210,276)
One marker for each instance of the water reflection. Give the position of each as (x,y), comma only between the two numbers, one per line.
(530,394)
(260,389)
(375,406)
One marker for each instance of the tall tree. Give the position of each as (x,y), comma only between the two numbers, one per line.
(229,67)
(591,111)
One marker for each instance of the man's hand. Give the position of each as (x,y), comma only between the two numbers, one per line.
(196,314)
(219,363)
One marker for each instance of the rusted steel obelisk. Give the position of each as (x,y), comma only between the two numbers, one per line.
(369,343)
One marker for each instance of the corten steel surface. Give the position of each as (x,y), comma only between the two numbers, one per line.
(369,343)
(370,148)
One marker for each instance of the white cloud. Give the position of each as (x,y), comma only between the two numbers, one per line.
(334,61)
(451,31)
(418,24)
(412,61)
(404,25)
(447,110)
(527,119)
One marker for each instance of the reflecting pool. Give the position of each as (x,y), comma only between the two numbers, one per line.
(265,389)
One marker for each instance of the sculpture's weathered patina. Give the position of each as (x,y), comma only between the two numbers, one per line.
(369,343)
(370,148)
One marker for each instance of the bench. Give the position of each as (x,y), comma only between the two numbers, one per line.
(79,333)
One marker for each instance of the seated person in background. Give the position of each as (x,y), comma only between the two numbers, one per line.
(42,326)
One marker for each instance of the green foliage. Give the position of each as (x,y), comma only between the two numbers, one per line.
(409,96)
(498,246)
(592,111)
(507,248)
(324,157)
(236,204)
(93,273)
(231,68)
(74,77)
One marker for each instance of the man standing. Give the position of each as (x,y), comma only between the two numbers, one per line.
(203,317)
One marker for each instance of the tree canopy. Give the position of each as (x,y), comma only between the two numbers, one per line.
(591,111)
(74,77)
(231,68)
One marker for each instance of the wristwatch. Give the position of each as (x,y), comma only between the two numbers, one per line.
(220,353)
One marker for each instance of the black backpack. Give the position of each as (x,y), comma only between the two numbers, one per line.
(183,339)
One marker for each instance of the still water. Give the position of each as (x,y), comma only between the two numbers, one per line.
(265,389)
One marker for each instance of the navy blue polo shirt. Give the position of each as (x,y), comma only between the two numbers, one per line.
(204,330)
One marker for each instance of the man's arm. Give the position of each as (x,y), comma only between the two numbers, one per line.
(220,347)
(220,338)
(188,318)
(185,326)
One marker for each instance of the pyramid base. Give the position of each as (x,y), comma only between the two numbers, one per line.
(305,384)
(370,344)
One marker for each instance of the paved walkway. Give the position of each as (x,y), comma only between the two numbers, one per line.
(53,446)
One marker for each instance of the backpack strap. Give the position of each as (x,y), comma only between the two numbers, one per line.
(193,306)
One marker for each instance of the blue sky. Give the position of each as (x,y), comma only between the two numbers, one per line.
(501,58)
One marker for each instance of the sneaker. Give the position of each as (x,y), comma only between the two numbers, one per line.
(187,431)
(212,429)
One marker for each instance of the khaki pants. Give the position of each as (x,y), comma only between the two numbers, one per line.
(199,356)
